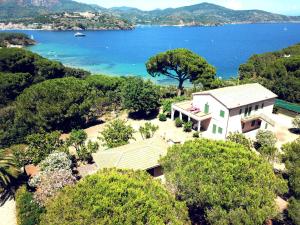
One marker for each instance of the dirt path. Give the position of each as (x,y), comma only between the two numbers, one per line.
(8,213)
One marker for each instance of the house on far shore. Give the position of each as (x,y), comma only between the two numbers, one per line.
(244,108)
(142,155)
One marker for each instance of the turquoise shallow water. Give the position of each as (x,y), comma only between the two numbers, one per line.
(125,52)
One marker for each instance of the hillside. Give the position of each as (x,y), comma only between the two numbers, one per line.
(14,9)
(200,14)
(70,21)
(279,71)
(15,39)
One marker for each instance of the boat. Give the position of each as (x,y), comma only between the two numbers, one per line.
(78,34)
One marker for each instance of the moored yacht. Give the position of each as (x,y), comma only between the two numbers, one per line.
(78,34)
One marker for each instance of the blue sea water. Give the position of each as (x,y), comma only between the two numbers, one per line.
(125,52)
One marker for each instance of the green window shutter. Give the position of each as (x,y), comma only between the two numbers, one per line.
(220,130)
(222,113)
(214,128)
(206,109)
(266,126)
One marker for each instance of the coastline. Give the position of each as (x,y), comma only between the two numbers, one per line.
(15,26)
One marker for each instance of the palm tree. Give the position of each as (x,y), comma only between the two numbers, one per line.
(8,169)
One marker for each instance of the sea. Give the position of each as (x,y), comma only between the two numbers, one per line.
(124,53)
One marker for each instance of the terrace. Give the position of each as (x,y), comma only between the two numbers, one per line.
(187,112)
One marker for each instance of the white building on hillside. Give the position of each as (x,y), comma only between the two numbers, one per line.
(218,112)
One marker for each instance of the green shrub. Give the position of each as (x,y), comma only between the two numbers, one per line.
(115,197)
(42,144)
(148,130)
(178,122)
(240,138)
(265,138)
(294,211)
(296,122)
(196,135)
(187,127)
(28,211)
(162,117)
(116,134)
(84,151)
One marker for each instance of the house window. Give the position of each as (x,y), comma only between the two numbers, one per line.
(253,123)
(214,128)
(241,111)
(222,113)
(206,108)
(246,112)
(249,112)
(220,130)
(259,122)
(262,105)
(243,126)
(256,107)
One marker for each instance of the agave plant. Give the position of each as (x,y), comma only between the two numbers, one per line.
(8,168)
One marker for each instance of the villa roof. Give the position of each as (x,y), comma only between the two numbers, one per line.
(140,155)
(236,96)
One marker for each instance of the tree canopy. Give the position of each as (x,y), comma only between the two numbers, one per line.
(58,104)
(182,64)
(21,68)
(115,197)
(278,71)
(139,95)
(223,180)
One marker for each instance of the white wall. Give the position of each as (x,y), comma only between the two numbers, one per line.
(235,118)
(215,107)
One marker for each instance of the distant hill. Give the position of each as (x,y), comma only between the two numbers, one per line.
(200,14)
(15,9)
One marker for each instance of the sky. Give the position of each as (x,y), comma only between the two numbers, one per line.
(288,7)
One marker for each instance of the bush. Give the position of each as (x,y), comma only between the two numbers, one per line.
(162,117)
(28,211)
(196,135)
(224,181)
(148,130)
(115,197)
(239,138)
(187,127)
(116,134)
(38,147)
(49,183)
(296,122)
(84,151)
(178,122)
(167,103)
(265,138)
(56,161)
(294,211)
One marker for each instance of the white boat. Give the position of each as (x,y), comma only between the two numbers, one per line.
(78,34)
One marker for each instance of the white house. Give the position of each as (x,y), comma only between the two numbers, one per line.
(218,112)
